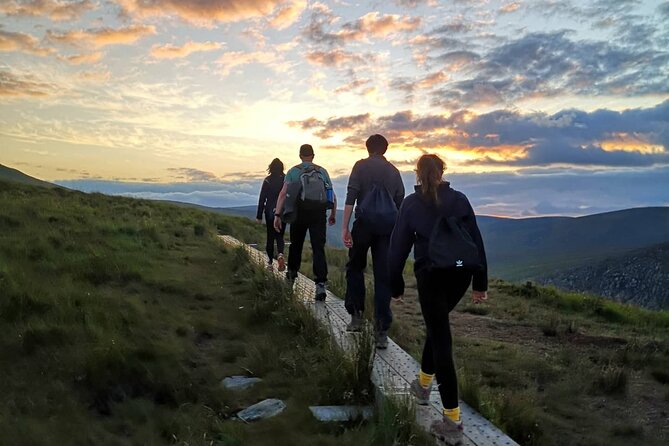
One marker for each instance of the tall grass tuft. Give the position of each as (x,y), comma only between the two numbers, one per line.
(395,423)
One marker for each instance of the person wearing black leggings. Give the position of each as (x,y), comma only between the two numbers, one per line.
(439,290)
(269,193)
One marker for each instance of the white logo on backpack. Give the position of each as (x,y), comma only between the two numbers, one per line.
(458,263)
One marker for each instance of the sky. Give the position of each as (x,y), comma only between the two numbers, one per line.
(538,107)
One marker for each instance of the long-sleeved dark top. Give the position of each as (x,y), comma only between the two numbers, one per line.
(414,225)
(269,193)
(374,169)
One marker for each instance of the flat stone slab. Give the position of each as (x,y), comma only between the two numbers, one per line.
(342,413)
(239,382)
(265,409)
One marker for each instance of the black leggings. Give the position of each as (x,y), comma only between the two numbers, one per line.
(439,292)
(272,235)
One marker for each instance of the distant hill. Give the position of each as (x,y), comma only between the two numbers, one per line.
(640,277)
(16,176)
(520,249)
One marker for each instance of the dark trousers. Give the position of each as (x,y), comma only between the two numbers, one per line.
(273,236)
(363,241)
(439,292)
(315,222)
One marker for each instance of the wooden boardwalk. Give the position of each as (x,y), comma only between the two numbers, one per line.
(393,368)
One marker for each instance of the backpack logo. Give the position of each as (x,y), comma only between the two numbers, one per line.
(458,263)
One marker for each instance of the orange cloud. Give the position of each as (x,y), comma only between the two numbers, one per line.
(14,86)
(373,25)
(237,58)
(201,12)
(102,37)
(79,59)
(55,9)
(509,8)
(288,15)
(175,52)
(332,58)
(25,43)
(432,79)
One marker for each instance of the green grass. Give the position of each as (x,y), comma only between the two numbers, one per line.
(122,316)
(549,367)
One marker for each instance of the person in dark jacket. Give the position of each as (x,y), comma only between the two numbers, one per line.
(373,171)
(439,290)
(269,193)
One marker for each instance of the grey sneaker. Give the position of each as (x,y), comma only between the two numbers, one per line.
(447,432)
(357,322)
(382,339)
(419,392)
(320,292)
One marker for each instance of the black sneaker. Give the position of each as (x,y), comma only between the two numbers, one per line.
(320,292)
(291,276)
(382,339)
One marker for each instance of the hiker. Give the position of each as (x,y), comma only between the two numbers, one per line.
(375,185)
(304,199)
(440,224)
(269,192)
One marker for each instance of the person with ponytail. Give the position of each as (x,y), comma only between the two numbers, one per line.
(439,289)
(269,193)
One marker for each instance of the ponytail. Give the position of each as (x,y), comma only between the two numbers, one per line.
(429,171)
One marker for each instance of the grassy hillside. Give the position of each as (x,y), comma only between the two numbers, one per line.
(121,317)
(13,175)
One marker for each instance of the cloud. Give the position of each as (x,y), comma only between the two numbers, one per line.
(175,52)
(353,85)
(192,175)
(287,15)
(371,25)
(335,58)
(11,41)
(58,10)
(25,86)
(79,59)
(509,8)
(205,12)
(632,138)
(549,65)
(102,37)
(325,129)
(529,192)
(233,59)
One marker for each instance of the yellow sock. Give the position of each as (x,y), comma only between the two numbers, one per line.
(424,379)
(453,414)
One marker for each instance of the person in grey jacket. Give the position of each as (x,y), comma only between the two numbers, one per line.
(373,171)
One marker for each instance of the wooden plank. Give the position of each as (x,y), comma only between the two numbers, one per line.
(393,368)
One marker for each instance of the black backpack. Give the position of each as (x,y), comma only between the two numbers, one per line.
(378,210)
(452,247)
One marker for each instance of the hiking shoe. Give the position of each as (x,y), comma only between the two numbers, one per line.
(291,276)
(420,393)
(282,263)
(381,339)
(320,292)
(447,431)
(357,322)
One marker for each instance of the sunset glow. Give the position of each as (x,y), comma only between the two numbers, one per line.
(199,91)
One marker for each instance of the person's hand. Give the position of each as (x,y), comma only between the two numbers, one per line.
(332,220)
(346,237)
(259,221)
(478,297)
(277,223)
